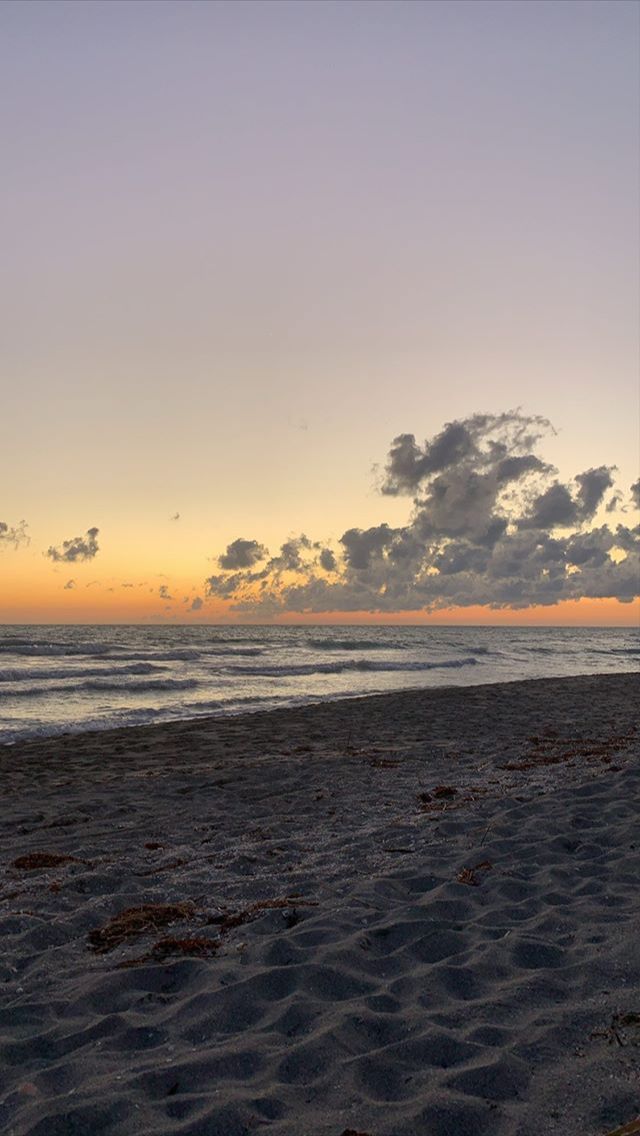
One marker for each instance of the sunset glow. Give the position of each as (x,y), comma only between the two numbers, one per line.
(227,301)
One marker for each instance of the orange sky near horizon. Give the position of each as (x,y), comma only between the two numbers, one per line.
(140,605)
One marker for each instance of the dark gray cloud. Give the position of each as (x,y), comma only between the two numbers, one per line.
(327,560)
(13,534)
(635,494)
(360,547)
(78,548)
(197,603)
(593,485)
(242,554)
(291,558)
(481,440)
(556,506)
(559,506)
(163,592)
(491,524)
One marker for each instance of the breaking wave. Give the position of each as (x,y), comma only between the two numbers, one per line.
(351,665)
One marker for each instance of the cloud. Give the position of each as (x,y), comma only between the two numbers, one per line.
(78,548)
(242,554)
(635,494)
(491,523)
(197,603)
(559,506)
(69,585)
(163,592)
(328,560)
(13,534)
(175,517)
(480,440)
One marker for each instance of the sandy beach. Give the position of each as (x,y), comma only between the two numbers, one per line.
(414,914)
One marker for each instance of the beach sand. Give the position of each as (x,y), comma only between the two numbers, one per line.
(415,913)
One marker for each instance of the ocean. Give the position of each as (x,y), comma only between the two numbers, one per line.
(59,679)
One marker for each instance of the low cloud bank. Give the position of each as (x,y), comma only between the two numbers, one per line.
(490,524)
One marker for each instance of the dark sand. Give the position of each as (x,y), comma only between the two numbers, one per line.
(410,915)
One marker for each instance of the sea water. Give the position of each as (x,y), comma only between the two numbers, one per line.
(59,679)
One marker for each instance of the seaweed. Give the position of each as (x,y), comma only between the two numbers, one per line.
(149,917)
(617,1030)
(194,947)
(556,750)
(630,1129)
(468,875)
(135,921)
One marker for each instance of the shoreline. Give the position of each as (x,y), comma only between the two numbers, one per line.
(208,721)
(400,913)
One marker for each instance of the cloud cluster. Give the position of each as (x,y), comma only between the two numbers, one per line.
(76,549)
(242,554)
(490,524)
(13,534)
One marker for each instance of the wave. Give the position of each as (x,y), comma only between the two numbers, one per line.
(96,686)
(616,650)
(193,653)
(529,650)
(349,645)
(30,648)
(236,651)
(350,665)
(27,674)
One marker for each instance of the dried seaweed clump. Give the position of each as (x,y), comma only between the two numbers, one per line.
(136,921)
(195,947)
(37,861)
(468,875)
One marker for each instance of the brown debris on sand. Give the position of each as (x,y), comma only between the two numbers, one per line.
(468,875)
(630,1129)
(195,947)
(440,793)
(446,798)
(617,1032)
(38,861)
(136,921)
(198,946)
(556,750)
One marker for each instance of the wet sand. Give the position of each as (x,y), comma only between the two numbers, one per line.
(414,913)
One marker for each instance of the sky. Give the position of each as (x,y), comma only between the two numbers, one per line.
(248,248)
